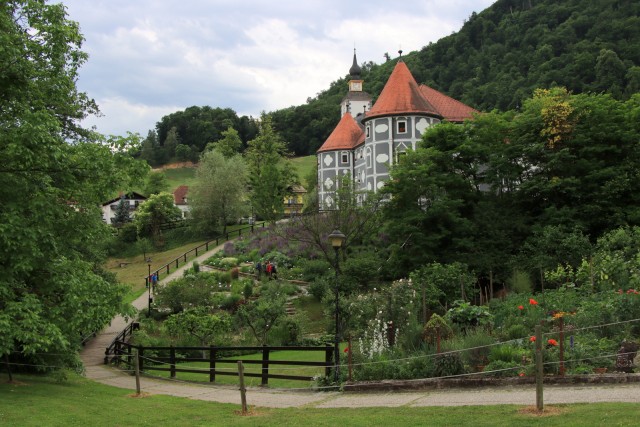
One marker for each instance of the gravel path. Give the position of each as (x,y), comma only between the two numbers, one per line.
(93,358)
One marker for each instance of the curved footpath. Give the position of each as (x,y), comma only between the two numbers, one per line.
(93,358)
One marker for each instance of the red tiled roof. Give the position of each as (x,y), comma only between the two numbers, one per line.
(449,108)
(401,95)
(345,136)
(180,195)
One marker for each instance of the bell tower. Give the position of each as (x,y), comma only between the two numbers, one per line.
(357,102)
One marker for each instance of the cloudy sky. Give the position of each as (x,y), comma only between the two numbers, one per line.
(149,58)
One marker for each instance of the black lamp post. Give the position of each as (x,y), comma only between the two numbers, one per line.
(336,238)
(150,282)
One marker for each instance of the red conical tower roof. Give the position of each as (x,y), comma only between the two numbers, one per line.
(450,109)
(345,136)
(401,95)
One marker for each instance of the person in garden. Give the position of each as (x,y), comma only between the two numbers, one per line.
(259,269)
(274,271)
(269,269)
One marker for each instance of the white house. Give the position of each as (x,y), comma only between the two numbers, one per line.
(132,200)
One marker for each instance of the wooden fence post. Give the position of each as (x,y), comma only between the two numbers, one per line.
(350,360)
(265,365)
(140,358)
(561,319)
(243,390)
(212,364)
(172,361)
(539,369)
(328,358)
(137,371)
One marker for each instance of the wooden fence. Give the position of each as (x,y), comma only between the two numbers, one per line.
(115,347)
(166,269)
(167,359)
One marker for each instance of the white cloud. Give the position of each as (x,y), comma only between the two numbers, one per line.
(151,58)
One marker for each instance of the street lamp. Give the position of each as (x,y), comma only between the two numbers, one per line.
(150,282)
(336,238)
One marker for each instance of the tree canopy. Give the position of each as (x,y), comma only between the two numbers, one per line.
(54,176)
(518,187)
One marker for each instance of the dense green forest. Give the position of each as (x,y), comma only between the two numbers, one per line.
(495,61)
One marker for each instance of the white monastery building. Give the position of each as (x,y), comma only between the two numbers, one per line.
(371,138)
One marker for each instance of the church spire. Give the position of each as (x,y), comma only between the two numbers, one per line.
(355,69)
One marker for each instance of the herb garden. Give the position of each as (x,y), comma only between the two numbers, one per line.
(428,324)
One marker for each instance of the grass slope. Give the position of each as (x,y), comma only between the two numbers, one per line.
(40,401)
(304,165)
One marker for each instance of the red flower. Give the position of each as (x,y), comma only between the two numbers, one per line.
(521,374)
(347,350)
(532,339)
(553,342)
(520,307)
(532,301)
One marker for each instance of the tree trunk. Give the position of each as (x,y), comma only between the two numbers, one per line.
(6,361)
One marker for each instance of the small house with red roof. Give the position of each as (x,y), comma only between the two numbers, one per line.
(181,201)
(369,139)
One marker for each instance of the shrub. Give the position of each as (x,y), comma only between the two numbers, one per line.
(229,262)
(319,288)
(515,332)
(506,353)
(361,270)
(313,269)
(505,369)
(287,332)
(436,327)
(247,291)
(280,259)
(467,316)
(231,302)
(476,348)
(448,364)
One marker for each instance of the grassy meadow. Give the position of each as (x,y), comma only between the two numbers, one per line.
(41,401)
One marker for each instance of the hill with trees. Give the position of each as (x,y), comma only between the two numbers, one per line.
(496,60)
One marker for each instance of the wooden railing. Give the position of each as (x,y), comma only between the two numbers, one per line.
(166,269)
(168,359)
(114,349)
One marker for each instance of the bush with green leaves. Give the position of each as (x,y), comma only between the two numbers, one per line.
(288,331)
(314,269)
(466,316)
(361,269)
(319,288)
(448,364)
(278,258)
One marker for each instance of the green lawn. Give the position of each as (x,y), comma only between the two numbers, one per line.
(314,311)
(304,165)
(307,356)
(187,176)
(40,401)
(180,176)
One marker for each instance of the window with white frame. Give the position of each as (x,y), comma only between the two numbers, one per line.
(344,157)
(368,131)
(401,126)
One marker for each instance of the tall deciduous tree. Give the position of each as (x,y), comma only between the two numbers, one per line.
(230,144)
(270,173)
(53,178)
(219,193)
(156,183)
(158,209)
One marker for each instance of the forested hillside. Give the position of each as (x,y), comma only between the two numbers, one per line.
(495,61)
